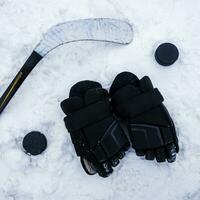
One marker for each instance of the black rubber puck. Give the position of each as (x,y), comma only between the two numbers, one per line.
(34,143)
(166,54)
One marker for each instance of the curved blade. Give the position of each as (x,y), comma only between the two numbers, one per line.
(99,29)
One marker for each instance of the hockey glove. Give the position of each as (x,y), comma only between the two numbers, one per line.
(97,136)
(151,129)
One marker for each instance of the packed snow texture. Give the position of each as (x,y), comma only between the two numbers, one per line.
(57,173)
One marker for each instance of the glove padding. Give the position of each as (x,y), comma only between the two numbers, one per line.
(96,134)
(151,129)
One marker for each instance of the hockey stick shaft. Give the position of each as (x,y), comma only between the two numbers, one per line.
(31,62)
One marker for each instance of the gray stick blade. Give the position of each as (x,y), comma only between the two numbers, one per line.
(98,29)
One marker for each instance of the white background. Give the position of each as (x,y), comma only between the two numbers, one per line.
(57,173)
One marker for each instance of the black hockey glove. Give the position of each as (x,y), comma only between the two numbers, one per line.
(97,136)
(150,126)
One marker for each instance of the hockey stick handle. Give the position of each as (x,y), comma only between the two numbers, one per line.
(31,62)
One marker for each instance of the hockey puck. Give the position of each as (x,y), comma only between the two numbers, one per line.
(34,143)
(166,54)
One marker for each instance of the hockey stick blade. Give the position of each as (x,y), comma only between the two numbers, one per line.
(99,29)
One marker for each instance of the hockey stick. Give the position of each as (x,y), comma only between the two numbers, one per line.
(99,29)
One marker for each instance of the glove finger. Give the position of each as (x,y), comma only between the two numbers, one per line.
(122,80)
(80,88)
(171,152)
(121,154)
(104,169)
(114,161)
(176,144)
(95,95)
(71,104)
(160,155)
(140,152)
(150,155)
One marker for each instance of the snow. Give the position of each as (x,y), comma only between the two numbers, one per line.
(57,173)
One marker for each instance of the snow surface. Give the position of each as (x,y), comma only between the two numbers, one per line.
(57,173)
